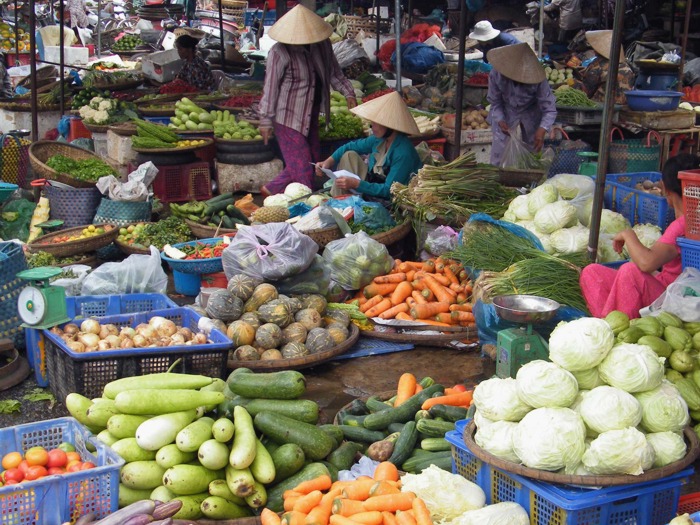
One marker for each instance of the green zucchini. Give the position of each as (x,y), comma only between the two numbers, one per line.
(362,434)
(288,384)
(288,459)
(275,501)
(334,432)
(395,427)
(419,463)
(315,443)
(344,456)
(402,413)
(435,444)
(405,444)
(448,413)
(300,409)
(357,408)
(345,418)
(219,198)
(221,205)
(434,428)
(374,404)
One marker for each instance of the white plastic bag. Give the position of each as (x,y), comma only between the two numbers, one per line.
(73,285)
(682,297)
(357,259)
(135,274)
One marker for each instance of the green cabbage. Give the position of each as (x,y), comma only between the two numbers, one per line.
(481,421)
(663,409)
(584,211)
(632,368)
(497,399)
(497,438)
(647,234)
(668,446)
(505,513)
(570,240)
(608,408)
(612,223)
(543,384)
(555,216)
(588,379)
(509,216)
(571,186)
(623,451)
(519,207)
(580,344)
(295,190)
(544,194)
(606,252)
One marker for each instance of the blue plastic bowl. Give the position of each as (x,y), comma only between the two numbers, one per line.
(7,189)
(649,100)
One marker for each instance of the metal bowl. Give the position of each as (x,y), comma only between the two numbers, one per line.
(525,308)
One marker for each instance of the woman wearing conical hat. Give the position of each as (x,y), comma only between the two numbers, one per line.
(301,70)
(391,154)
(519,95)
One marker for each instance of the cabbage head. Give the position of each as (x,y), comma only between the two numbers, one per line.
(509,216)
(519,207)
(580,344)
(608,408)
(584,211)
(497,439)
(543,237)
(295,190)
(663,409)
(482,421)
(543,194)
(571,186)
(315,200)
(570,240)
(606,252)
(647,234)
(632,368)
(497,399)
(588,379)
(505,513)
(279,199)
(544,384)
(555,216)
(623,451)
(550,439)
(612,222)
(668,446)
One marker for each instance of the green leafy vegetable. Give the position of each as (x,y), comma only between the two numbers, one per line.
(90,169)
(39,394)
(9,406)
(570,97)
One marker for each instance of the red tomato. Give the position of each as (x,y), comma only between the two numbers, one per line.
(24,466)
(56,470)
(87,465)
(73,456)
(74,466)
(11,482)
(459,388)
(36,472)
(13,474)
(57,458)
(37,456)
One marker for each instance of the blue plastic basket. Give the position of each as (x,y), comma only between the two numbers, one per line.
(636,205)
(690,253)
(652,502)
(12,261)
(87,373)
(158,120)
(60,498)
(188,284)
(7,189)
(198,266)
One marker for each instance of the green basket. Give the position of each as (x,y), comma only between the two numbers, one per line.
(122,213)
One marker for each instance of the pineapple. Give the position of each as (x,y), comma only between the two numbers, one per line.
(270,214)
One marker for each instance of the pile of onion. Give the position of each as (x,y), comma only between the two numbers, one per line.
(91,336)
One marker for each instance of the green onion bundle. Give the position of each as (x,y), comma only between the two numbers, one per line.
(571,97)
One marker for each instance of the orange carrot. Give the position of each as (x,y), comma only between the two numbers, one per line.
(403,290)
(431,322)
(445,317)
(383,487)
(390,502)
(461,298)
(451,275)
(409,266)
(404,317)
(410,275)
(371,303)
(359,490)
(421,512)
(449,391)
(308,502)
(441,293)
(419,387)
(361,300)
(389,518)
(426,311)
(397,263)
(383,306)
(418,297)
(269,517)
(418,283)
(429,295)
(339,485)
(410,301)
(391,278)
(405,518)
(405,388)
(429,266)
(463,317)
(347,507)
(293,518)
(291,494)
(373,289)
(467,307)
(321,513)
(391,312)
(337,519)
(461,399)
(373,517)
(441,279)
(322,482)
(386,470)
(291,500)
(439,265)
(456,287)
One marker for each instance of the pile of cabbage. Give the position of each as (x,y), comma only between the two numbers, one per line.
(295,190)
(599,407)
(558,212)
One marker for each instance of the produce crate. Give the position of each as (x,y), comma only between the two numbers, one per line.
(164,121)
(689,503)
(88,373)
(690,253)
(652,503)
(580,116)
(481,151)
(182,183)
(690,181)
(637,206)
(58,499)
(468,136)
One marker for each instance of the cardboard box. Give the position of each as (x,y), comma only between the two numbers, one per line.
(72,56)
(162,66)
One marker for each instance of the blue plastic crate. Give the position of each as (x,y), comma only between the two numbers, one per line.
(7,189)
(270,17)
(690,252)
(158,120)
(637,206)
(60,498)
(87,373)
(652,503)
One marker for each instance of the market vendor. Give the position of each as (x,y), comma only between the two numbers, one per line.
(301,70)
(195,70)
(595,75)
(391,154)
(6,90)
(490,38)
(519,95)
(570,18)
(641,281)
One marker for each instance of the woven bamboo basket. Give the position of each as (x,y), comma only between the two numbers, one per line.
(202,231)
(467,335)
(323,236)
(394,235)
(43,150)
(128,249)
(125,129)
(90,260)
(297,363)
(165,112)
(68,249)
(368,24)
(160,151)
(96,128)
(516,178)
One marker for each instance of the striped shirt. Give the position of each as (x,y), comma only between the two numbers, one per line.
(290,81)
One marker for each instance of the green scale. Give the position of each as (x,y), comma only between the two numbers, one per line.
(41,305)
(520,345)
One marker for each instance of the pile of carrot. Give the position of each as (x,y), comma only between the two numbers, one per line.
(408,385)
(434,292)
(376,500)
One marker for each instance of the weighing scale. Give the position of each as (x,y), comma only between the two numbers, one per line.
(518,346)
(589,163)
(41,306)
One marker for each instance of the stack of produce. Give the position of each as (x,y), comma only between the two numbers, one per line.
(427,125)
(102,110)
(191,116)
(88,170)
(294,190)
(166,231)
(38,259)
(370,84)
(86,233)
(37,462)
(84,96)
(128,42)
(217,210)
(244,100)
(570,97)
(226,127)
(343,124)
(559,76)
(9,42)
(102,77)
(154,136)
(601,407)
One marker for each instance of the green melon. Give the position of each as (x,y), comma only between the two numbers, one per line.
(223,305)
(252,319)
(291,350)
(317,302)
(246,353)
(277,312)
(338,333)
(271,355)
(241,333)
(268,336)
(334,315)
(242,286)
(319,340)
(294,333)
(309,317)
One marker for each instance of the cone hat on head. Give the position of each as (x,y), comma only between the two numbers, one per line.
(601,42)
(197,34)
(517,62)
(300,26)
(388,110)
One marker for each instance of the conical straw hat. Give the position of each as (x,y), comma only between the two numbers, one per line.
(300,26)
(601,42)
(388,110)
(517,62)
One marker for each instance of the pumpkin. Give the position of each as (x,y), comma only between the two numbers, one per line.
(291,350)
(271,355)
(252,319)
(241,333)
(246,353)
(317,302)
(268,336)
(294,303)
(223,305)
(334,315)
(277,312)
(319,340)
(219,325)
(242,286)
(263,293)
(198,309)
(309,317)
(338,332)
(294,333)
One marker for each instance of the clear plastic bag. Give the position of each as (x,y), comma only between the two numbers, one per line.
(270,252)
(516,154)
(73,285)
(135,274)
(315,279)
(682,298)
(356,260)
(441,240)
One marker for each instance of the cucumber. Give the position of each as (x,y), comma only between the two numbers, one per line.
(185,480)
(124,425)
(99,413)
(357,408)
(374,404)
(402,413)
(107,438)
(213,454)
(422,414)
(190,438)
(169,456)
(275,501)
(222,430)
(343,457)
(218,487)
(332,470)
(240,481)
(426,382)
(315,443)
(434,428)
(244,440)
(288,384)
(218,508)
(127,495)
(448,413)
(211,209)
(78,406)
(161,401)
(288,459)
(334,432)
(419,463)
(222,197)
(166,380)
(228,222)
(191,506)
(345,418)
(404,445)
(262,468)
(435,444)
(237,214)
(142,475)
(161,494)
(300,409)
(156,432)
(130,451)
(362,434)
(395,427)
(258,498)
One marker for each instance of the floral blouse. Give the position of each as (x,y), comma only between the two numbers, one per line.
(197,74)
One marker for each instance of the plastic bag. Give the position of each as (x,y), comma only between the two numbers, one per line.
(246,205)
(15,218)
(347,52)
(441,240)
(418,58)
(73,285)
(315,279)
(682,297)
(371,215)
(269,252)
(516,154)
(356,260)
(135,274)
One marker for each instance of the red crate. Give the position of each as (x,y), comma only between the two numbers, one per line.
(182,183)
(690,181)
(689,504)
(78,130)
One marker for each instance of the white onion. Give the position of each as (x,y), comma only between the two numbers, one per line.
(126,343)
(103,345)
(90,326)
(56,330)
(69,337)
(186,333)
(71,329)
(156,321)
(177,339)
(113,341)
(107,330)
(127,331)
(89,339)
(166,328)
(163,341)
(199,339)
(76,346)
(140,341)
(146,330)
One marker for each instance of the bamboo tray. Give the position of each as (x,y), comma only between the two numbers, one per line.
(128,249)
(297,363)
(68,249)
(89,260)
(125,129)
(96,128)
(160,151)
(516,178)
(441,339)
(396,234)
(202,231)
(598,481)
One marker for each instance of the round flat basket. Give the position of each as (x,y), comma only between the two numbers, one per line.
(129,249)
(323,236)
(131,52)
(197,266)
(161,151)
(259,142)
(467,335)
(516,178)
(96,128)
(120,86)
(164,112)
(125,129)
(394,235)
(40,152)
(297,363)
(161,99)
(80,246)
(89,260)
(202,231)
(598,481)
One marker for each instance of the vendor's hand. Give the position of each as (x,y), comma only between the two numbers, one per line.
(618,241)
(539,139)
(325,164)
(266,133)
(504,127)
(347,183)
(352,102)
